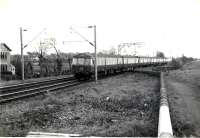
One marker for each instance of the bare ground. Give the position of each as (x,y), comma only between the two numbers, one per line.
(184,98)
(124,105)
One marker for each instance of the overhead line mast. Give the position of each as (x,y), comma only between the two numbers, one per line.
(123,45)
(92,44)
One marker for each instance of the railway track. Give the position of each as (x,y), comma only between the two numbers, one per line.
(19,91)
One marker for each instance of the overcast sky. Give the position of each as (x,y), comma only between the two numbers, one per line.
(171,26)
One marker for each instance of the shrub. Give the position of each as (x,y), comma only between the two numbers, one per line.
(176,63)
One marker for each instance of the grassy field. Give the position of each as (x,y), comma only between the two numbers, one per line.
(123,105)
(183,87)
(189,73)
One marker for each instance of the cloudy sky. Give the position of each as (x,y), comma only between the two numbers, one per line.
(171,26)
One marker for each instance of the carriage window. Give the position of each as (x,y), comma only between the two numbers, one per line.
(80,61)
(74,61)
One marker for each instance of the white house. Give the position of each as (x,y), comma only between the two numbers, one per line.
(5,64)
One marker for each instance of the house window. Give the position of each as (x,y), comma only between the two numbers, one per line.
(5,56)
(2,68)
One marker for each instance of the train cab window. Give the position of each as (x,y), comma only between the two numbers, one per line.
(80,61)
(75,61)
(88,61)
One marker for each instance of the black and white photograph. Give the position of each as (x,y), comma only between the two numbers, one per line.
(100,68)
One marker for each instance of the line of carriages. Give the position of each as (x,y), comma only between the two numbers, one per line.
(83,64)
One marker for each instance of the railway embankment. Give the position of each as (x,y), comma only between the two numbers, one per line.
(122,105)
(184,99)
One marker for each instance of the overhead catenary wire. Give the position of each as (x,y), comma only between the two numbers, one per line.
(35,37)
(82,36)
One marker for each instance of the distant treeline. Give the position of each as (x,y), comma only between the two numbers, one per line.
(180,61)
(48,65)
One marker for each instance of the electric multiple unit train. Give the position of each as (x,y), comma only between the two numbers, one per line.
(83,64)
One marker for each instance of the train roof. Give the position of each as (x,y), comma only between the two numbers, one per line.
(83,55)
(89,55)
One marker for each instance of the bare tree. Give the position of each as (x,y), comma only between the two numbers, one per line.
(32,55)
(42,51)
(44,47)
(51,42)
(112,51)
(102,53)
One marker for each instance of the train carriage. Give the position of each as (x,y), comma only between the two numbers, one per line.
(83,64)
(130,62)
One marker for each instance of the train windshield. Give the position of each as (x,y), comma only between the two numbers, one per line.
(82,61)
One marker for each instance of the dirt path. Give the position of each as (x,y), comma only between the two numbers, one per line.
(184,99)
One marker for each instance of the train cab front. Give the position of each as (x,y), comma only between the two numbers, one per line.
(82,66)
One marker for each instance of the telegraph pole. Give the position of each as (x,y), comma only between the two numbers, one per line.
(122,45)
(22,56)
(24,46)
(95,47)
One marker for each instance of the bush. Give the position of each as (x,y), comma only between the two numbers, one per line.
(52,100)
(175,63)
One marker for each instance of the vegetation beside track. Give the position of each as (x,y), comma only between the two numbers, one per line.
(183,86)
(123,105)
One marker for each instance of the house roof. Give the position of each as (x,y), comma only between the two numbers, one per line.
(3,44)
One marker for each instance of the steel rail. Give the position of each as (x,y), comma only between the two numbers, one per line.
(37,90)
(36,93)
(15,87)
